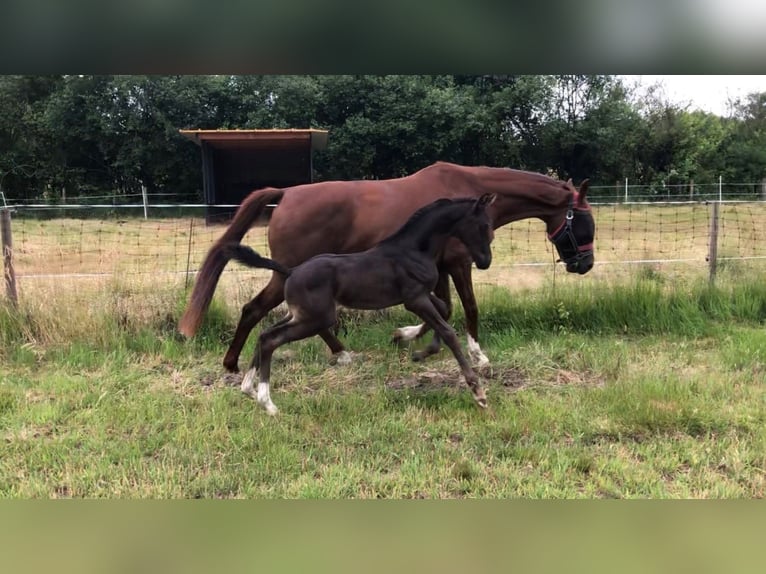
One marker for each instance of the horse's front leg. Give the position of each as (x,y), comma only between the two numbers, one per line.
(461,277)
(424,308)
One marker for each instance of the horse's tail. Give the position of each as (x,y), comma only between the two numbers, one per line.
(246,255)
(215,260)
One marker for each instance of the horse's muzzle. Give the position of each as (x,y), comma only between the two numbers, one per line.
(581,264)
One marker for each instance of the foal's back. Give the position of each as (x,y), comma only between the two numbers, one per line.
(372,279)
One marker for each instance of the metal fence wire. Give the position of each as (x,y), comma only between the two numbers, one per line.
(69,244)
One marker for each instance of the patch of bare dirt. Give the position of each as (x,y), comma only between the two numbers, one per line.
(565,377)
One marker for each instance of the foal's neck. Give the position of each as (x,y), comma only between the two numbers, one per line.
(435,229)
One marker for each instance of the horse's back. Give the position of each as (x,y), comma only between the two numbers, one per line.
(349,216)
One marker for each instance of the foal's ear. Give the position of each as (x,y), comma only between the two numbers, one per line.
(486,199)
(582,191)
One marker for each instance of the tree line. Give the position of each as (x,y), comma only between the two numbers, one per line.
(95,135)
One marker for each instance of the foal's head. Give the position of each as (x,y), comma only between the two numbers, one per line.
(475,231)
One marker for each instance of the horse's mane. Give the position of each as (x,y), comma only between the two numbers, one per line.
(417,218)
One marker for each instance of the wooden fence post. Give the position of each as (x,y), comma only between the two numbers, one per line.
(713,250)
(7,243)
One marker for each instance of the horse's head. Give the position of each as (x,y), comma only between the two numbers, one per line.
(475,231)
(574,237)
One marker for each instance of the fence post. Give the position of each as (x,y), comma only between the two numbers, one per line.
(145,201)
(713,251)
(7,243)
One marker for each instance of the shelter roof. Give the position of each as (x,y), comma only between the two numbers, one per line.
(313,139)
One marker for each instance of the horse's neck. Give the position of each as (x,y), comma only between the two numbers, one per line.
(523,195)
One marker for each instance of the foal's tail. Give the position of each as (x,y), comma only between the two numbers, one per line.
(215,260)
(246,255)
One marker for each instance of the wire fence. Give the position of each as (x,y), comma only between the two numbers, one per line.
(624,191)
(74,246)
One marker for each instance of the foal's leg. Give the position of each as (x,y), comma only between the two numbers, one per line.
(340,354)
(461,276)
(271,296)
(424,308)
(268,341)
(436,343)
(256,362)
(412,332)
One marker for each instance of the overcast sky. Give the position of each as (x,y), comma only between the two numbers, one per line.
(708,93)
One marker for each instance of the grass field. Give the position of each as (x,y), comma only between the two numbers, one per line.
(636,380)
(650,388)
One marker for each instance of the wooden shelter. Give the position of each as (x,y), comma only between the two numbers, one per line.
(236,162)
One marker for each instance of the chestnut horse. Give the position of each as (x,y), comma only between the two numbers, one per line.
(352,216)
(400,270)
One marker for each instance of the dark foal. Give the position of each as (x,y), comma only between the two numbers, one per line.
(401,269)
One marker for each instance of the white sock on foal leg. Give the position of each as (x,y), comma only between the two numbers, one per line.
(475,352)
(262,395)
(408,333)
(247,383)
(264,398)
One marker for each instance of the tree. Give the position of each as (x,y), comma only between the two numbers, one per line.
(744,150)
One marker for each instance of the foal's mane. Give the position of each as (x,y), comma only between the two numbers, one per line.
(416,219)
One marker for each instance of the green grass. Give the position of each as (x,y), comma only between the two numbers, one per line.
(649,389)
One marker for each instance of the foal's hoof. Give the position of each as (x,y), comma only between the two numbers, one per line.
(397,339)
(423,354)
(271,410)
(481,402)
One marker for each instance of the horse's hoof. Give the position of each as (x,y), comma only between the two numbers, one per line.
(342,358)
(231,367)
(480,396)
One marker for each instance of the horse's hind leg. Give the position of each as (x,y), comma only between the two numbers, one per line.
(271,296)
(340,355)
(461,276)
(424,308)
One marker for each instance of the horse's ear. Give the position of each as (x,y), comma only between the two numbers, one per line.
(583,190)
